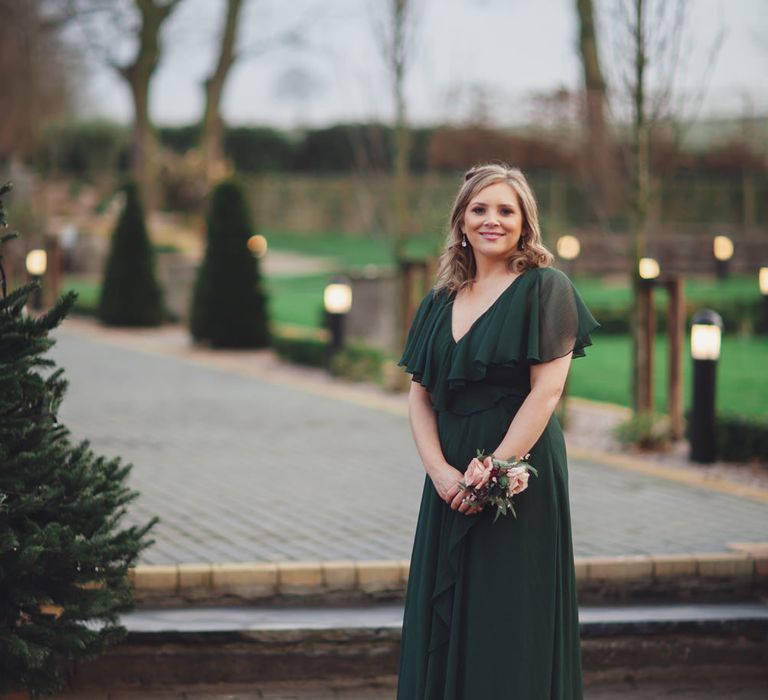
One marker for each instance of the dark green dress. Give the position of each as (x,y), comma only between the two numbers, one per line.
(490,609)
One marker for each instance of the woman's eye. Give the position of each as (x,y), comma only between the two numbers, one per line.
(507,212)
(478,210)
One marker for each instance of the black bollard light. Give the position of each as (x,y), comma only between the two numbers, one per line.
(337,300)
(762,280)
(36,263)
(706,332)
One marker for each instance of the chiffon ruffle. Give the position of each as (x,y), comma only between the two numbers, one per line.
(538,318)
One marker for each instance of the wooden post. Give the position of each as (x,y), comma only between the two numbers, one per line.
(52,288)
(676,336)
(406,300)
(645,366)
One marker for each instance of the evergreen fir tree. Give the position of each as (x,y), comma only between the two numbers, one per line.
(64,559)
(229,305)
(131,295)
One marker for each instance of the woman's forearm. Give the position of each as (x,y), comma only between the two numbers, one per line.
(528,424)
(424,428)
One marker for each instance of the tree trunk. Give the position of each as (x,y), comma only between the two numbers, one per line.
(138,75)
(402,148)
(641,379)
(598,158)
(212,124)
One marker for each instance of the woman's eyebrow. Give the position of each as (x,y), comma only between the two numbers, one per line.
(483,204)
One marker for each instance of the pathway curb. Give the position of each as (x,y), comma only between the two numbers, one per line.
(705,575)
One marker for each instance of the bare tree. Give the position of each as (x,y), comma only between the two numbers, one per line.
(598,159)
(396,38)
(97,20)
(651,41)
(212,124)
(38,72)
(398,66)
(138,74)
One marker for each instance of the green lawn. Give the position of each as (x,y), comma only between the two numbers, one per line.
(602,376)
(742,381)
(616,294)
(351,251)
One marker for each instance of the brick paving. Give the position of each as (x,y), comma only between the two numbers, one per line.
(244,461)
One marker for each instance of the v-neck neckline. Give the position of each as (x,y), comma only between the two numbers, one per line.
(477,320)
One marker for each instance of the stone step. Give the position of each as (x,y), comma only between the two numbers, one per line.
(168,647)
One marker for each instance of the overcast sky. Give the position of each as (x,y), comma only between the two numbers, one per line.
(468,57)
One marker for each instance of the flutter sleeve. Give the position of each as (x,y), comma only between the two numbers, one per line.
(559,320)
(417,353)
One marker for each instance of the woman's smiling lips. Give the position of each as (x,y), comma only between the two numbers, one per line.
(491,235)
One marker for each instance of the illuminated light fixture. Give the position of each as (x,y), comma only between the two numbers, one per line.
(722,247)
(706,334)
(257,244)
(648,268)
(762,280)
(568,247)
(337,297)
(36,262)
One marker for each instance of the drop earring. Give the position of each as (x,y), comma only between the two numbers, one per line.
(463,240)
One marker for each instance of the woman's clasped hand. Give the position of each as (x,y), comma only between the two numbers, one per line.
(447,484)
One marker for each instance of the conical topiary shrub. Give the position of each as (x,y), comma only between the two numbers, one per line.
(228,304)
(130,294)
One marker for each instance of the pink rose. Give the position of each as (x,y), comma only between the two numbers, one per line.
(477,474)
(518,480)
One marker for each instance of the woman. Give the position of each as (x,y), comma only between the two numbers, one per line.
(490,607)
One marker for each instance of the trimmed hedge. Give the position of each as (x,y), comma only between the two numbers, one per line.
(742,439)
(229,306)
(355,361)
(307,350)
(737,314)
(131,294)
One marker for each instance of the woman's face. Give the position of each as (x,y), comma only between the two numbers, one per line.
(493,221)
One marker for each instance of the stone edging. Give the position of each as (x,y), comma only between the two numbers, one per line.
(737,571)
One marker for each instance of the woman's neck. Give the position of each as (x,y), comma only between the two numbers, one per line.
(490,270)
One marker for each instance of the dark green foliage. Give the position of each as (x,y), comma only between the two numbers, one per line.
(229,304)
(738,314)
(130,294)
(60,510)
(180,139)
(84,149)
(307,351)
(742,439)
(258,149)
(352,147)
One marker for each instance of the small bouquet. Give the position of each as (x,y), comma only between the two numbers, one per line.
(495,485)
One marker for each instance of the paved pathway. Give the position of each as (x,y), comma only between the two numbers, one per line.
(242,463)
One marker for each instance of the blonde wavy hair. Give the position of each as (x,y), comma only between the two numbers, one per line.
(456,267)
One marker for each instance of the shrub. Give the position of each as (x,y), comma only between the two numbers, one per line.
(649,431)
(358,362)
(742,438)
(64,554)
(229,304)
(258,149)
(131,294)
(309,351)
(84,149)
